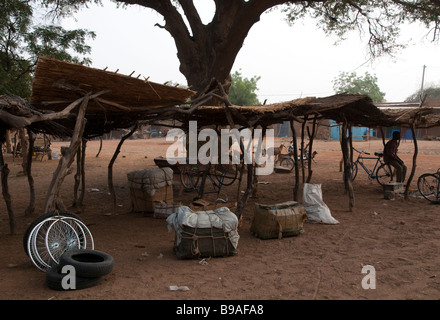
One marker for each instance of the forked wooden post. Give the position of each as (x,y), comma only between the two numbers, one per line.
(52,199)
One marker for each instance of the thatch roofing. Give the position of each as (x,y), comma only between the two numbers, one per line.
(357,109)
(126,99)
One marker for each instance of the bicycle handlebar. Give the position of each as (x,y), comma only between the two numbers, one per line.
(361,151)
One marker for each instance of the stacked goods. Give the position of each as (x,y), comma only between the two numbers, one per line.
(150,187)
(203,234)
(278,220)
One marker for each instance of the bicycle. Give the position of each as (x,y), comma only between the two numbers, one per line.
(381,171)
(288,161)
(429,186)
(220,175)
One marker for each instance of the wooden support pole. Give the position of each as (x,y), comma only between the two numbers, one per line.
(295,156)
(80,175)
(311,137)
(248,191)
(111,188)
(52,199)
(414,164)
(348,182)
(300,162)
(31,207)
(5,191)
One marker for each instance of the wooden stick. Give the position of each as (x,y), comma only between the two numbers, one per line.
(112,161)
(52,198)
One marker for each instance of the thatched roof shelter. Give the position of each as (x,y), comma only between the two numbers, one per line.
(358,110)
(82,102)
(124,99)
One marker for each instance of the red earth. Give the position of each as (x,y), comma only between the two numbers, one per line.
(399,238)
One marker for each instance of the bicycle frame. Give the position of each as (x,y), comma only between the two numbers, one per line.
(360,158)
(203,171)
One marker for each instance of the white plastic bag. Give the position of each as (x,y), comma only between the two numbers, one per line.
(317,210)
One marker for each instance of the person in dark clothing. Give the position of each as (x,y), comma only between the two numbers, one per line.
(390,157)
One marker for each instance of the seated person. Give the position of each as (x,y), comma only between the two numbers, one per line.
(390,157)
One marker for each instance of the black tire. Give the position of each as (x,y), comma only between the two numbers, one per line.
(54,278)
(226,174)
(428,186)
(189,176)
(42,218)
(287,163)
(354,171)
(88,263)
(384,174)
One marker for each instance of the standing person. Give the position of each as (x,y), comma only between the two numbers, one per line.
(390,156)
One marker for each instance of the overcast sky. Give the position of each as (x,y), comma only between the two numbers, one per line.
(293,62)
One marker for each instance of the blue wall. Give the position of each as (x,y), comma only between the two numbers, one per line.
(358,133)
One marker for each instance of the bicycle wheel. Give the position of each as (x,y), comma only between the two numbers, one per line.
(189,176)
(60,237)
(85,236)
(428,185)
(35,246)
(226,174)
(287,163)
(354,171)
(41,218)
(383,174)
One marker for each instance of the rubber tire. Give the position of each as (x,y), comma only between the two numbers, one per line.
(88,263)
(40,219)
(382,179)
(287,163)
(54,279)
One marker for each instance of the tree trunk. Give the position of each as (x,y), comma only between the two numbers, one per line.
(208,51)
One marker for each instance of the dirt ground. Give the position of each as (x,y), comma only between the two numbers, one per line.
(399,238)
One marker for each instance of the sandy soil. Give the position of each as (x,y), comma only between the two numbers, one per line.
(399,238)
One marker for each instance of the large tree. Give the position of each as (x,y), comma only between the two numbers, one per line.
(24,36)
(208,51)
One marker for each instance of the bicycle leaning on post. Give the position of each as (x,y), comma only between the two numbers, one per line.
(381,171)
(219,174)
(288,161)
(429,186)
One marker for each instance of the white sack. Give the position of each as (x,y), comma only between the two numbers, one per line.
(317,210)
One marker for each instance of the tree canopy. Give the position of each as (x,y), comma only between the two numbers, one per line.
(242,91)
(352,83)
(208,51)
(431,92)
(24,37)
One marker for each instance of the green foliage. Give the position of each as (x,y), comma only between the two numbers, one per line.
(23,38)
(351,83)
(242,90)
(379,20)
(430,92)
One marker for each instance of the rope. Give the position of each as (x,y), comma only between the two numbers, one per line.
(195,238)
